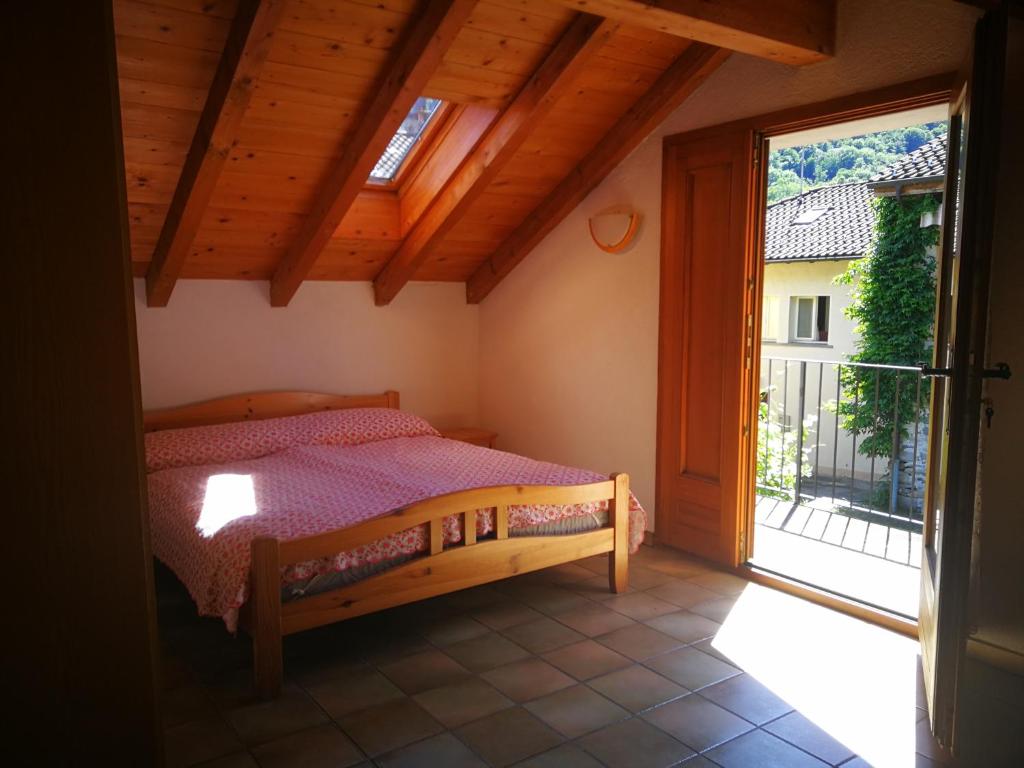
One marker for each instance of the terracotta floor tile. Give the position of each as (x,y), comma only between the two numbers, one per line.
(264,721)
(389,726)
(746,697)
(758,749)
(576,711)
(685,626)
(322,667)
(528,679)
(198,741)
(593,619)
(462,702)
(723,583)
(551,599)
(442,751)
(586,659)
(358,690)
(542,635)
(321,747)
(424,671)
(691,668)
(697,722)
(801,732)
(639,642)
(595,563)
(635,744)
(453,629)
(237,760)
(486,652)
(472,598)
(390,649)
(640,606)
(637,688)
(708,647)
(507,613)
(596,589)
(561,575)
(508,736)
(716,610)
(565,756)
(683,593)
(642,578)
(184,704)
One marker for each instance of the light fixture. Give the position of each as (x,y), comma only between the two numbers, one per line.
(613,229)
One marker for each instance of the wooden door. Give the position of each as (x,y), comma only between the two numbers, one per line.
(960,329)
(705,342)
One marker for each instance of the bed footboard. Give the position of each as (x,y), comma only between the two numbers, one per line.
(465,564)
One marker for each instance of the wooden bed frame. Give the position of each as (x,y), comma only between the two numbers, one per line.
(469,563)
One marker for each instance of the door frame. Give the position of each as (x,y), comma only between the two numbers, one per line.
(899,97)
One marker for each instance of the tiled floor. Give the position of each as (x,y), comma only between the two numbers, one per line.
(691,666)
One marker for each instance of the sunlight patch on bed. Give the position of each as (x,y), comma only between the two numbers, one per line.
(228,498)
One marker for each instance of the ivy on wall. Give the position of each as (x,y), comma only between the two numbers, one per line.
(893,306)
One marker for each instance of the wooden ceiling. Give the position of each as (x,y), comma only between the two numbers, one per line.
(251,126)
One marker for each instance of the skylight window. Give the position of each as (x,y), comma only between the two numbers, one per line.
(811,215)
(404,140)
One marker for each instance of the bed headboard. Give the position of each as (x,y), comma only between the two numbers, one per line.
(259,405)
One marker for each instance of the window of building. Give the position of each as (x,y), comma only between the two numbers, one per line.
(809,318)
(405,139)
(770,318)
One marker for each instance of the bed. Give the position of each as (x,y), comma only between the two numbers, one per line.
(284,511)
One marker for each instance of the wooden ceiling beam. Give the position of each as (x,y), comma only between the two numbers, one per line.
(413,61)
(787,31)
(245,51)
(580,42)
(674,86)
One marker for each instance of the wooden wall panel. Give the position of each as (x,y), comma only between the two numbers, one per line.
(80,639)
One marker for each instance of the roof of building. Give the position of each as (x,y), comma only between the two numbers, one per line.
(926,163)
(826,223)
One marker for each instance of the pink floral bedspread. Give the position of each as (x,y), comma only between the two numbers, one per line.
(203,517)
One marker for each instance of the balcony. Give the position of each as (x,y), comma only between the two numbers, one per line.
(840,478)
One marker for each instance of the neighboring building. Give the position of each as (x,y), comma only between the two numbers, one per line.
(916,173)
(810,240)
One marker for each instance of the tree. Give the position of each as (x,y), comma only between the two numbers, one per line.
(893,306)
(792,170)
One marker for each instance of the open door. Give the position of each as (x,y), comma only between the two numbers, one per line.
(705,341)
(958,371)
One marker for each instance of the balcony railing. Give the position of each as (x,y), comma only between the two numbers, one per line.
(847,439)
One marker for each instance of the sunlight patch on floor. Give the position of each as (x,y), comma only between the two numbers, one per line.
(856,681)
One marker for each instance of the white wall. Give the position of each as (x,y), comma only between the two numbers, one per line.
(569,340)
(219,337)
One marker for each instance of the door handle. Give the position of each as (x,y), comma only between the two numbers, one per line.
(1001,371)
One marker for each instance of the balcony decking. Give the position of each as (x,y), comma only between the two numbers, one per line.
(867,557)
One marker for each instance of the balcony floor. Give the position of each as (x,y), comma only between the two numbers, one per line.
(867,561)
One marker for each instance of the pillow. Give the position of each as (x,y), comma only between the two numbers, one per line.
(220,443)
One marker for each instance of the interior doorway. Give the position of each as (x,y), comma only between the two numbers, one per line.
(853,213)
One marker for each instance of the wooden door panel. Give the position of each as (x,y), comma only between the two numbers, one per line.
(701,344)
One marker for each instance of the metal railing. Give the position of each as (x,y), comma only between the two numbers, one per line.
(847,437)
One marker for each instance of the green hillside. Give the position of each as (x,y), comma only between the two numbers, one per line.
(856,158)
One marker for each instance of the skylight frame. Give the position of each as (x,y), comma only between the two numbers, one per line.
(425,138)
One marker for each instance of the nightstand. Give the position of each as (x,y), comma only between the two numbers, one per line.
(482,437)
